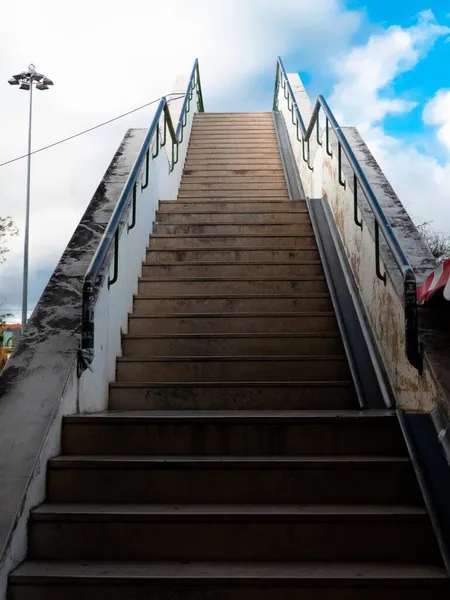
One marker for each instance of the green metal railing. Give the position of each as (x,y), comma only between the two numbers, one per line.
(413,351)
(127,201)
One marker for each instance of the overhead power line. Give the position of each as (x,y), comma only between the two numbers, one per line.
(8,162)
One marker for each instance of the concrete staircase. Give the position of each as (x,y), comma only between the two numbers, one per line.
(234,462)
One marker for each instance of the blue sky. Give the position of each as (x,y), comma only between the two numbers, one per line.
(106,64)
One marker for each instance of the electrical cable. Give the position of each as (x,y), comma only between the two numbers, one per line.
(8,162)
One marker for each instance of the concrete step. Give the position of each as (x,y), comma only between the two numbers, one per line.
(223,480)
(222,269)
(240,163)
(239,168)
(231,345)
(185,218)
(271,193)
(281,395)
(234,185)
(246,240)
(233,254)
(260,206)
(261,125)
(94,580)
(233,323)
(227,153)
(150,304)
(248,138)
(209,532)
(232,368)
(232,285)
(222,177)
(242,145)
(238,433)
(233,172)
(231,229)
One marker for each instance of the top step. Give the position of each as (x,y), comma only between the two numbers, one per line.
(232,114)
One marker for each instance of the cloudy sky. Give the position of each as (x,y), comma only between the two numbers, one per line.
(383,66)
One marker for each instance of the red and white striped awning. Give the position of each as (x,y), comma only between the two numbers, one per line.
(437,282)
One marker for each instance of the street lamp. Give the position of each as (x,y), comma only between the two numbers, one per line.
(26,80)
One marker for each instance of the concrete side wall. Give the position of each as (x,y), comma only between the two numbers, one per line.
(40,384)
(383,303)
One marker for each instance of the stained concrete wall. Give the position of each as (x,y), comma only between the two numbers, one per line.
(40,383)
(383,303)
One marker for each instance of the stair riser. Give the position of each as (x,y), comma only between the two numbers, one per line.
(234,324)
(244,142)
(339,540)
(227,230)
(184,484)
(232,255)
(260,206)
(238,216)
(198,589)
(149,306)
(264,125)
(238,241)
(233,398)
(279,194)
(309,437)
(231,270)
(234,370)
(215,286)
(228,169)
(221,178)
(215,346)
(199,176)
(234,185)
(232,164)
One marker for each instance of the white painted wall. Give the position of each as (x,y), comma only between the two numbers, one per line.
(114,304)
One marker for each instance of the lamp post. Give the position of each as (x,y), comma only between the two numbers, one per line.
(26,80)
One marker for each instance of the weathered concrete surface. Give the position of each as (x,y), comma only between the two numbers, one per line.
(39,376)
(383,303)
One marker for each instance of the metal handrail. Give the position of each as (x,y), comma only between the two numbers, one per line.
(382,224)
(127,197)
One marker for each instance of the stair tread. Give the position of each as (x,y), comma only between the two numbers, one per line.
(232,415)
(227,263)
(233,314)
(228,296)
(245,384)
(204,571)
(223,461)
(234,278)
(237,336)
(236,357)
(212,511)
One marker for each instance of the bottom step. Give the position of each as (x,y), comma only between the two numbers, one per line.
(226,581)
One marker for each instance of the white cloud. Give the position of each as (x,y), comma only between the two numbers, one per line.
(366,71)
(437,112)
(108,56)
(421,182)
(359,99)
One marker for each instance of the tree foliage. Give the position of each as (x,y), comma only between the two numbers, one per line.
(7,230)
(437,241)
